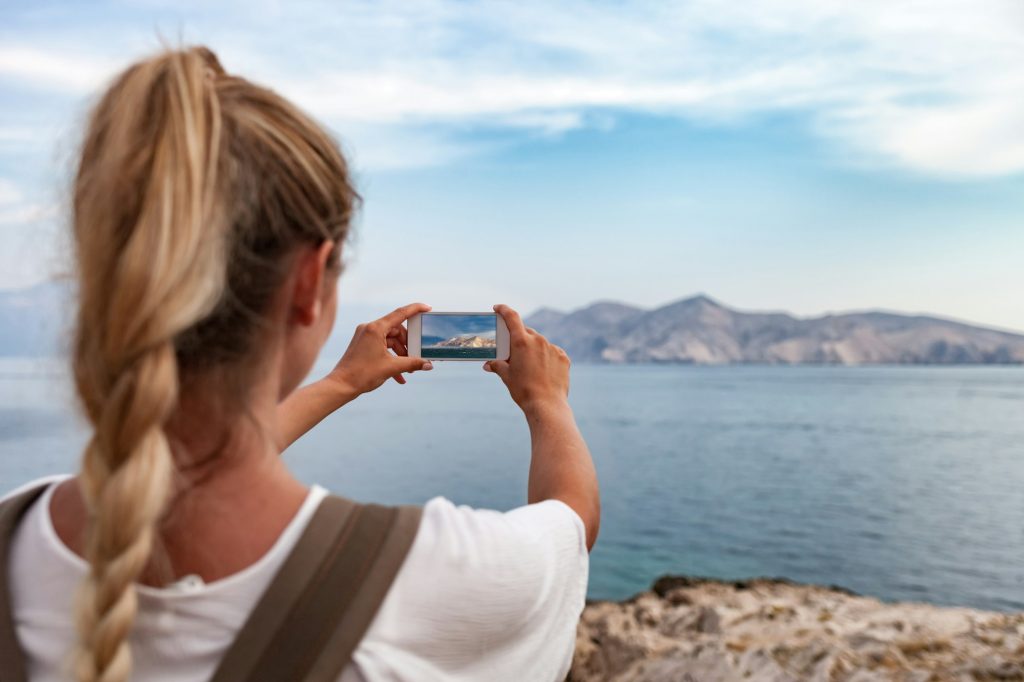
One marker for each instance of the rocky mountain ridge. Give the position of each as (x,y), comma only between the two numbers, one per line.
(467,342)
(702,331)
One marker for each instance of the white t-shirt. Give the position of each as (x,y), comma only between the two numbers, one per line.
(482,595)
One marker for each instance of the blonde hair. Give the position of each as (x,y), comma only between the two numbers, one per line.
(192,188)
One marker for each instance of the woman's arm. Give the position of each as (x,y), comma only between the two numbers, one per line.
(307,407)
(561,467)
(376,353)
(537,377)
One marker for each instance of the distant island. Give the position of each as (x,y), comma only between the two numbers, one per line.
(700,331)
(467,341)
(462,346)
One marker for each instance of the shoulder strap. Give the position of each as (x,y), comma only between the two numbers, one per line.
(310,619)
(12,658)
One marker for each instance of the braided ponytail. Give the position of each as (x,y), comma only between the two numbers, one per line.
(151,260)
(192,189)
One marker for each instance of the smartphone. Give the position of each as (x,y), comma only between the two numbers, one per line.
(458,336)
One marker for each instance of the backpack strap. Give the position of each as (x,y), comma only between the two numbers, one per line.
(12,658)
(315,611)
(322,600)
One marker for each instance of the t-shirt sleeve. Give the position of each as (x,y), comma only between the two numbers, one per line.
(485,593)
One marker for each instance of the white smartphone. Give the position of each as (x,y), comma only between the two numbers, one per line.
(458,336)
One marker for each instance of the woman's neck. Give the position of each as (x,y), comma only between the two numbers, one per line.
(213,531)
(232,498)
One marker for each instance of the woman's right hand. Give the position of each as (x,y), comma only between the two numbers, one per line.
(537,371)
(379,351)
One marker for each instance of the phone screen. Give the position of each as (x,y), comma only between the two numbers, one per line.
(456,336)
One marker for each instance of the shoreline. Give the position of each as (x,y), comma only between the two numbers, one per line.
(696,629)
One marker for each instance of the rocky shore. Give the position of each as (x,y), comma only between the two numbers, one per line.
(771,630)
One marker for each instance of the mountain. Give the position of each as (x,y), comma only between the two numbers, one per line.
(702,331)
(699,330)
(587,332)
(468,342)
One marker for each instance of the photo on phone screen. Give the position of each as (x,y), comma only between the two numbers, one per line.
(459,336)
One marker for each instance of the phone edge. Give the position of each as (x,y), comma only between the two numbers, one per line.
(414,335)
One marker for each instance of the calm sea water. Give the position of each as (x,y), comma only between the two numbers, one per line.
(903,483)
(459,353)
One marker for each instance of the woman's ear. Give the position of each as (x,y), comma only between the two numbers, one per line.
(310,271)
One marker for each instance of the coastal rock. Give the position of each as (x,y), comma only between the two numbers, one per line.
(772,630)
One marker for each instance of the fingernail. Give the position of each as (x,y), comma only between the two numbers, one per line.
(428,366)
(487,368)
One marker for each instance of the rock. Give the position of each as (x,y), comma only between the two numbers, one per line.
(995,667)
(773,630)
(708,621)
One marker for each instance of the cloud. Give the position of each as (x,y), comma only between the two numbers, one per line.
(974,138)
(403,147)
(17,210)
(928,86)
(25,214)
(29,238)
(76,72)
(9,193)
(18,135)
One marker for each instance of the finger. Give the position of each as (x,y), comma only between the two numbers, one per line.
(406,364)
(399,378)
(512,319)
(400,333)
(399,315)
(532,332)
(397,346)
(499,367)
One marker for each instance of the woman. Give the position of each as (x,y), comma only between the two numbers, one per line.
(209,219)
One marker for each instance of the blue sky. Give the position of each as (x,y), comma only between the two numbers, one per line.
(447,326)
(807,155)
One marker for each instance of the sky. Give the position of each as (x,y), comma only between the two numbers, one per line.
(448,326)
(799,155)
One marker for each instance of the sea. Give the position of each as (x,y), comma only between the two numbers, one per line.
(904,483)
(459,353)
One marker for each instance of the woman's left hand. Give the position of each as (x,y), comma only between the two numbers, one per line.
(369,362)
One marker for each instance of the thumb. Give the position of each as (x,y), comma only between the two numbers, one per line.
(405,364)
(499,367)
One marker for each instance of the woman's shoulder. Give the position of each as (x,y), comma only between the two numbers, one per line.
(477,535)
(483,594)
(498,564)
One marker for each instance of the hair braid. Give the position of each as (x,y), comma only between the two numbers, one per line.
(158,272)
(193,188)
(126,499)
